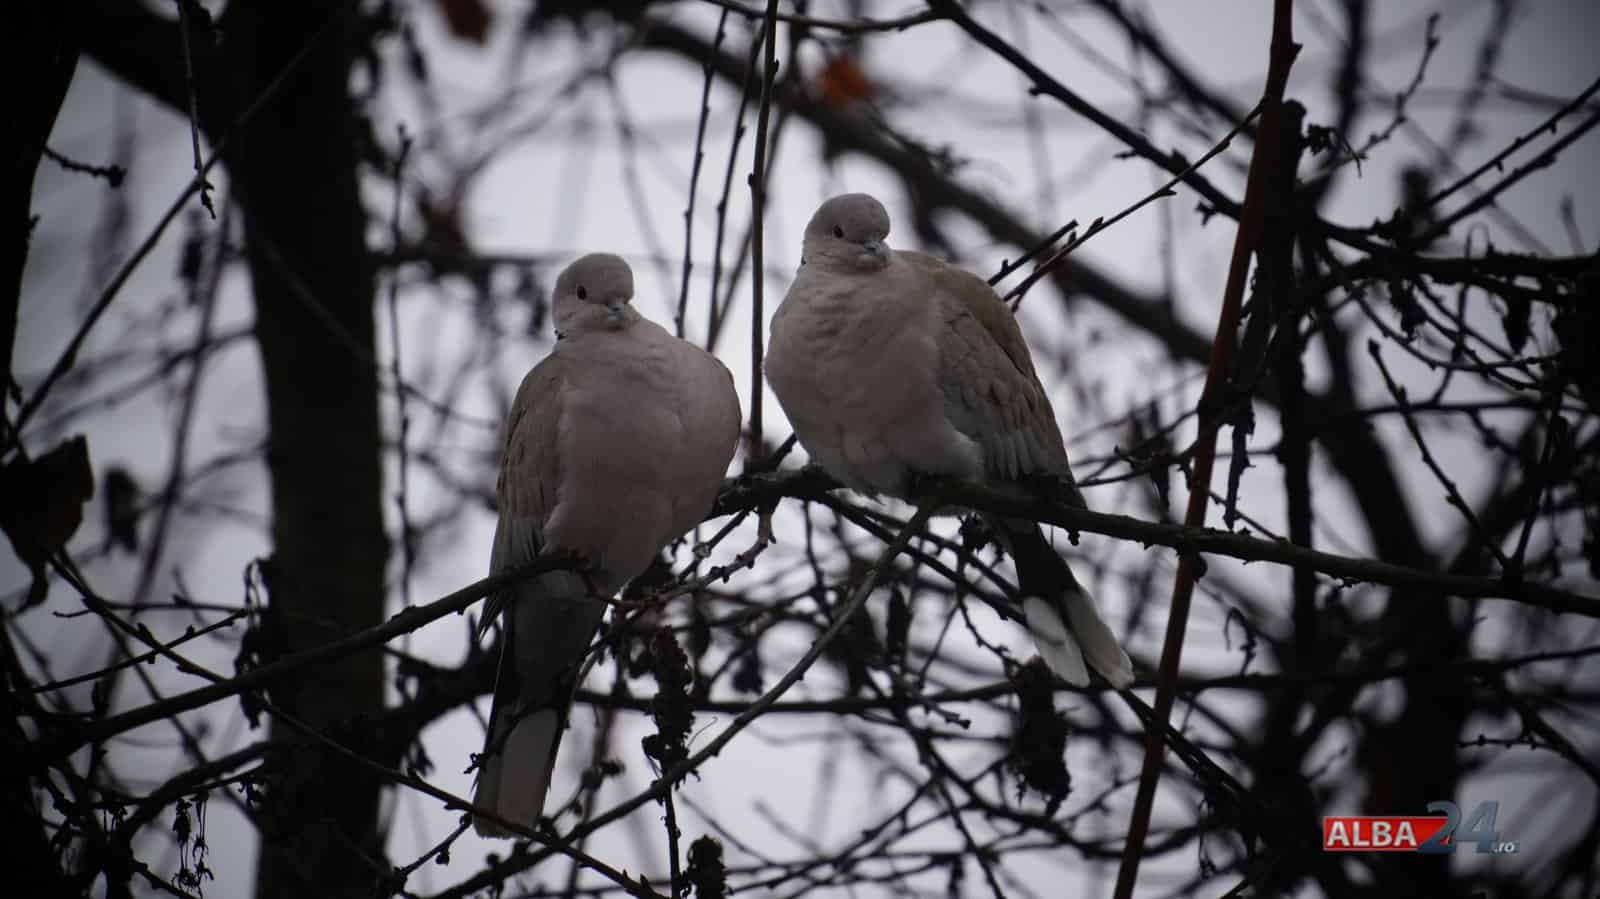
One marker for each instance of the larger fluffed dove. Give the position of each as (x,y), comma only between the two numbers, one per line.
(616,445)
(894,364)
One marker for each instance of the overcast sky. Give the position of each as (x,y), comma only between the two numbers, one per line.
(567,191)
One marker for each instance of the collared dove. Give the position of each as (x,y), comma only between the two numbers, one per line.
(616,446)
(894,364)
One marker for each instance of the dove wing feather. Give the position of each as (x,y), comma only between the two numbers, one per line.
(615,446)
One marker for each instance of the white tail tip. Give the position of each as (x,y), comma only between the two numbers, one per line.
(514,780)
(1056,645)
(1082,641)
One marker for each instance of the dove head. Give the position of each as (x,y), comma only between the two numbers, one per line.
(593,293)
(847,233)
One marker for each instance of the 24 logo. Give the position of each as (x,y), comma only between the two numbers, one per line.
(1479,830)
(1432,834)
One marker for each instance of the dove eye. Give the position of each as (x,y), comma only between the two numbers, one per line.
(838,231)
(583,294)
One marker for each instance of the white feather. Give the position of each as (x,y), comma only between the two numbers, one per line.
(1097,642)
(1056,645)
(516,791)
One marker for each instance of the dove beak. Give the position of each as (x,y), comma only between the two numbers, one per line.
(876,249)
(615,307)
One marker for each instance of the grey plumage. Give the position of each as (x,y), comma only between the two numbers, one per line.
(891,364)
(615,446)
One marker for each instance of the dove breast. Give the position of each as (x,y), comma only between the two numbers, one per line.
(851,360)
(637,475)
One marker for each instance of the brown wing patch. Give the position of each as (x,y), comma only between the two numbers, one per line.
(530,472)
(992,393)
(530,464)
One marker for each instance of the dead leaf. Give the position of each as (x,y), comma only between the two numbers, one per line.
(41,506)
(122,509)
(468,20)
(844,83)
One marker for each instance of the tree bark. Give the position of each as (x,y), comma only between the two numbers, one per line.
(294,169)
(40,54)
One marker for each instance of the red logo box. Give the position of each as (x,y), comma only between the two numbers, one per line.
(1378,833)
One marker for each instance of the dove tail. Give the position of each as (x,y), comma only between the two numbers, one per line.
(1060,614)
(547,632)
(515,774)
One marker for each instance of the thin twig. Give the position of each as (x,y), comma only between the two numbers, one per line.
(1044,84)
(194,106)
(1014,296)
(673,864)
(694,177)
(389,774)
(183,428)
(1543,160)
(1555,431)
(845,26)
(70,355)
(408,549)
(1494,162)
(1007,266)
(1452,493)
(129,661)
(1281,57)
(715,746)
(714,330)
(758,200)
(748,491)
(402,622)
(113,173)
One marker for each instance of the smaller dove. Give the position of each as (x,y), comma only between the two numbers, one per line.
(894,364)
(616,445)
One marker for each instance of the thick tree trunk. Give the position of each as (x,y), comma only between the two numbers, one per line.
(39,54)
(294,168)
